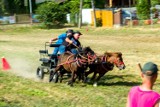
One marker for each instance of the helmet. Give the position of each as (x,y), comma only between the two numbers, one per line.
(69,31)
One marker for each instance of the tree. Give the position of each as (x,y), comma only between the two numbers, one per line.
(100,4)
(15,6)
(73,8)
(155,2)
(51,14)
(143,9)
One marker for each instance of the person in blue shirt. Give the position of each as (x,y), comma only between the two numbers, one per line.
(71,43)
(60,39)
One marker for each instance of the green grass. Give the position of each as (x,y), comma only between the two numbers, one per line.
(19,87)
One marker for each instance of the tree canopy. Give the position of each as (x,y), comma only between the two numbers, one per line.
(51,14)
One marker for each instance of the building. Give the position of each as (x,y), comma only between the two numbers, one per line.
(120,3)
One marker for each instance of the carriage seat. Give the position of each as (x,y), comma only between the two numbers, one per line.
(52,56)
(43,51)
(54,45)
(45,60)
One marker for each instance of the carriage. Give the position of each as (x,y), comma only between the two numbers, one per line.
(48,62)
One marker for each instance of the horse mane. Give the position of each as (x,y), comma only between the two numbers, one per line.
(87,49)
(111,53)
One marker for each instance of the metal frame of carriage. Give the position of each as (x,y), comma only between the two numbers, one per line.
(48,62)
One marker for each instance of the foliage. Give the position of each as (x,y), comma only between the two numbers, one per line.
(155,2)
(87,4)
(143,9)
(100,4)
(51,14)
(15,6)
(73,7)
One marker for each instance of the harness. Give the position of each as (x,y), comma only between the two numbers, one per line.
(78,61)
(106,65)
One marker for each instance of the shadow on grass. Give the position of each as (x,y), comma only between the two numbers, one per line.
(117,80)
(3,41)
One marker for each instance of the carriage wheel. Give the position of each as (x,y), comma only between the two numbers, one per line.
(40,72)
(53,77)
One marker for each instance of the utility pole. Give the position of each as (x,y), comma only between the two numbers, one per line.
(151,14)
(30,9)
(94,14)
(80,14)
(131,21)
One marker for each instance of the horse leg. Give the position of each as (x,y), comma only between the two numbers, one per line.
(98,78)
(94,75)
(61,77)
(61,73)
(89,72)
(81,75)
(56,73)
(86,75)
(72,79)
(52,73)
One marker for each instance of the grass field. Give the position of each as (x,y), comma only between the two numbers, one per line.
(19,87)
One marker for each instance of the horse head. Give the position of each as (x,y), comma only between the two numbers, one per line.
(115,59)
(92,57)
(88,54)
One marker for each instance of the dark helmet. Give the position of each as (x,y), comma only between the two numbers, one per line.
(78,32)
(69,31)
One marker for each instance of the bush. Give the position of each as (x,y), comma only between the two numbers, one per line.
(143,9)
(51,14)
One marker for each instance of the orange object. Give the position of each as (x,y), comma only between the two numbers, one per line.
(5,64)
(147,22)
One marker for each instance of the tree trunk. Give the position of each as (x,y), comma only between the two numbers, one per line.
(80,14)
(94,14)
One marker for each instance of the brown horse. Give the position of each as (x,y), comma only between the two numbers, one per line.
(108,60)
(76,64)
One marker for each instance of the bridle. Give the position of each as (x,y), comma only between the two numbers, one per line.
(91,58)
(117,62)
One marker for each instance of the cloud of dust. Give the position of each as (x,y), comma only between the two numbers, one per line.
(23,68)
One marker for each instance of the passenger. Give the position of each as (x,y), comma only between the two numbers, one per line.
(60,39)
(143,95)
(71,43)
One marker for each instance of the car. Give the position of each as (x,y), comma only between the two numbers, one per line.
(127,15)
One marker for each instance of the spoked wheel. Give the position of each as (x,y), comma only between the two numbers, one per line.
(53,76)
(40,72)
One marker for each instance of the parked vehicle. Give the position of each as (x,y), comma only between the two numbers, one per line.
(127,15)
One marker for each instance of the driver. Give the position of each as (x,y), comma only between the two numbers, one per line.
(71,43)
(60,39)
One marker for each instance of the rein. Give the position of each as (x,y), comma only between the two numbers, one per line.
(67,61)
(78,60)
(104,58)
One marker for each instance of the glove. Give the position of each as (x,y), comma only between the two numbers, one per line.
(70,42)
